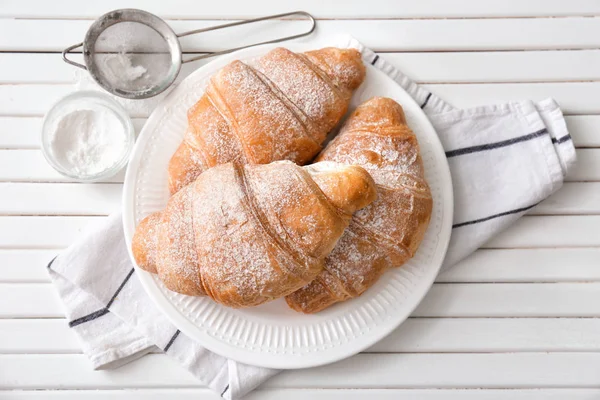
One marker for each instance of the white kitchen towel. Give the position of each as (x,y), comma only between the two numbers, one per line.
(504,160)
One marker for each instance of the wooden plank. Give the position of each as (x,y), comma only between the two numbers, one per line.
(456,67)
(380,35)
(23,67)
(104,198)
(416,335)
(529,231)
(313,394)
(14,101)
(572,199)
(43,232)
(23,132)
(32,167)
(510,370)
(449,370)
(585,129)
(511,300)
(18,336)
(525,265)
(485,266)
(451,300)
(458,335)
(587,167)
(500,66)
(332,9)
(29,301)
(60,198)
(145,394)
(25,265)
(574,97)
(549,231)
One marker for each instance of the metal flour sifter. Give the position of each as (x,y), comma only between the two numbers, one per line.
(135,54)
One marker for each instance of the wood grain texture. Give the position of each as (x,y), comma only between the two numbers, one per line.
(527,265)
(549,231)
(25,266)
(33,167)
(24,132)
(330,9)
(442,67)
(43,232)
(573,98)
(380,35)
(416,335)
(573,198)
(60,198)
(507,370)
(313,394)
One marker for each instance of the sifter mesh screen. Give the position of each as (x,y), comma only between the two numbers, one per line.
(131,57)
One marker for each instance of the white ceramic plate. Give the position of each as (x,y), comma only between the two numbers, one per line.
(272,335)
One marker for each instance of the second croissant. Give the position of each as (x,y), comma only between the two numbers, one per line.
(245,235)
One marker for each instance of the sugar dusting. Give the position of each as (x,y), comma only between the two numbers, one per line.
(280,110)
(231,247)
(246,235)
(388,232)
(177,258)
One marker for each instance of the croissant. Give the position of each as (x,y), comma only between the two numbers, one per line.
(245,235)
(388,232)
(280,109)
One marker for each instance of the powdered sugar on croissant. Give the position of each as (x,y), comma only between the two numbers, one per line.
(245,235)
(280,109)
(389,231)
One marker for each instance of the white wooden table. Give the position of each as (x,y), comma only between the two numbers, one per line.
(518,320)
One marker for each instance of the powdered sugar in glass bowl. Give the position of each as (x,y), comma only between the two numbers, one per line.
(87,136)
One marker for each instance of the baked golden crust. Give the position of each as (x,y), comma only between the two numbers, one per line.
(389,231)
(245,235)
(280,109)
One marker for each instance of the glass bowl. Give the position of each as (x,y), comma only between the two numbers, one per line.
(80,101)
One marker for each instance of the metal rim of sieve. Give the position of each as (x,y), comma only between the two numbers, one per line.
(171,39)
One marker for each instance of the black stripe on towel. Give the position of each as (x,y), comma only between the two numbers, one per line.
(490,146)
(563,139)
(112,299)
(103,311)
(89,317)
(426,101)
(375,59)
(168,346)
(224,390)
(476,221)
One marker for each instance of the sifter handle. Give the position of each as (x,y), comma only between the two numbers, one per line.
(67,51)
(249,21)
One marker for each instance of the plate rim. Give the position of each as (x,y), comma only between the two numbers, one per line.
(236,353)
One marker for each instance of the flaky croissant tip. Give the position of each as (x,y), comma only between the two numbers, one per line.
(348,187)
(145,241)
